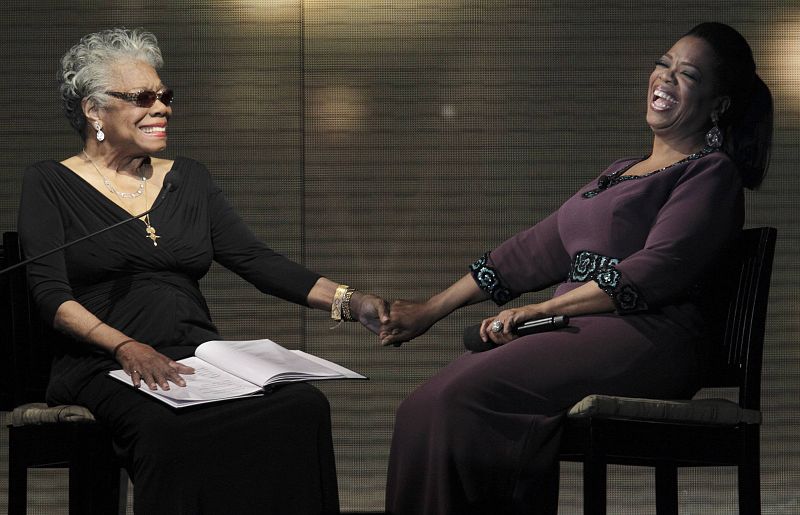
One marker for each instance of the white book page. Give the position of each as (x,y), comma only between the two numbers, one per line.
(343,372)
(262,361)
(208,383)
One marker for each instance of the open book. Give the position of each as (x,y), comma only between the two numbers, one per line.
(228,370)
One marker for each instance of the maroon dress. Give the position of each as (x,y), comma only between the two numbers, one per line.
(482,435)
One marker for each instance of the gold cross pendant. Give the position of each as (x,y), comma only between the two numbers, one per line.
(151,233)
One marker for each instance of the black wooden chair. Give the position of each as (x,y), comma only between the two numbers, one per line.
(40,436)
(666,435)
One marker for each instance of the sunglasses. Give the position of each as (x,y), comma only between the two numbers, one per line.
(145,98)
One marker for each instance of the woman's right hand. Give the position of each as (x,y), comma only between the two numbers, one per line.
(407,320)
(143,363)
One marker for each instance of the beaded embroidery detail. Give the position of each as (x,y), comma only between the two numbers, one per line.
(586,265)
(591,266)
(488,280)
(606,181)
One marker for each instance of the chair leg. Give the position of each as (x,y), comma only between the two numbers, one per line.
(749,490)
(666,489)
(749,476)
(17,477)
(594,487)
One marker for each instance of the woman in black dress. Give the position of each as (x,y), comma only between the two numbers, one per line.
(129,298)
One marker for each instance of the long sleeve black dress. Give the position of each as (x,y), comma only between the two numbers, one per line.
(271,454)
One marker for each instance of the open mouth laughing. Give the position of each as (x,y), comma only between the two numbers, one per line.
(662,101)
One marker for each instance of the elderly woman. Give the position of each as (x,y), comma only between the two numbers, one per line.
(129,298)
(482,436)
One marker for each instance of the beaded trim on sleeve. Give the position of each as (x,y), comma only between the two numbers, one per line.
(489,280)
(590,266)
(587,264)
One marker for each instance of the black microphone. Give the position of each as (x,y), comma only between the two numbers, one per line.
(472,334)
(603,182)
(166,188)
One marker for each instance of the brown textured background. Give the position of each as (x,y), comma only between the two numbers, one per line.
(387,145)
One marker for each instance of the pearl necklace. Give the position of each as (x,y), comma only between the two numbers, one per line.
(148,228)
(110,185)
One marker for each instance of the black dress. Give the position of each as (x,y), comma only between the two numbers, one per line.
(271,454)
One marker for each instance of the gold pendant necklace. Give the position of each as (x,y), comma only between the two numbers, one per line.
(142,190)
(149,229)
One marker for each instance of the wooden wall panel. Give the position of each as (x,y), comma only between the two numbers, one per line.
(387,144)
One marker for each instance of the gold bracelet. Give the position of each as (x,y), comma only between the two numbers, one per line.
(347,314)
(336,305)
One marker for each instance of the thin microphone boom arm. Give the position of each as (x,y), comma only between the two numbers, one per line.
(166,189)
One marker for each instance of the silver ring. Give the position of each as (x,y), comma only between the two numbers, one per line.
(497,326)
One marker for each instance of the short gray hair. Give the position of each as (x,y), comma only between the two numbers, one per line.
(85,68)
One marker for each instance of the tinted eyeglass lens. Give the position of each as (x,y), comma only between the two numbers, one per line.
(145,98)
(148,98)
(166,96)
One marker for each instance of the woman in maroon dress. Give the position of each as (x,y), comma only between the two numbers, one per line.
(482,435)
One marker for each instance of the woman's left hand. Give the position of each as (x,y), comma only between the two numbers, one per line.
(371,310)
(508,319)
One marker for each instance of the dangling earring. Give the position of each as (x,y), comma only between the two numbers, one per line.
(714,135)
(100,134)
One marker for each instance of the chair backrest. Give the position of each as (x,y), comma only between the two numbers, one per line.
(25,354)
(737,293)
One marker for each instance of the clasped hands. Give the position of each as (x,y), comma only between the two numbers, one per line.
(394,323)
(404,320)
(408,319)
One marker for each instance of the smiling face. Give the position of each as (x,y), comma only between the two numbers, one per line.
(132,130)
(682,91)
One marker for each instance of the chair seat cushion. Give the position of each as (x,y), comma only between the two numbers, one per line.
(39,413)
(701,411)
